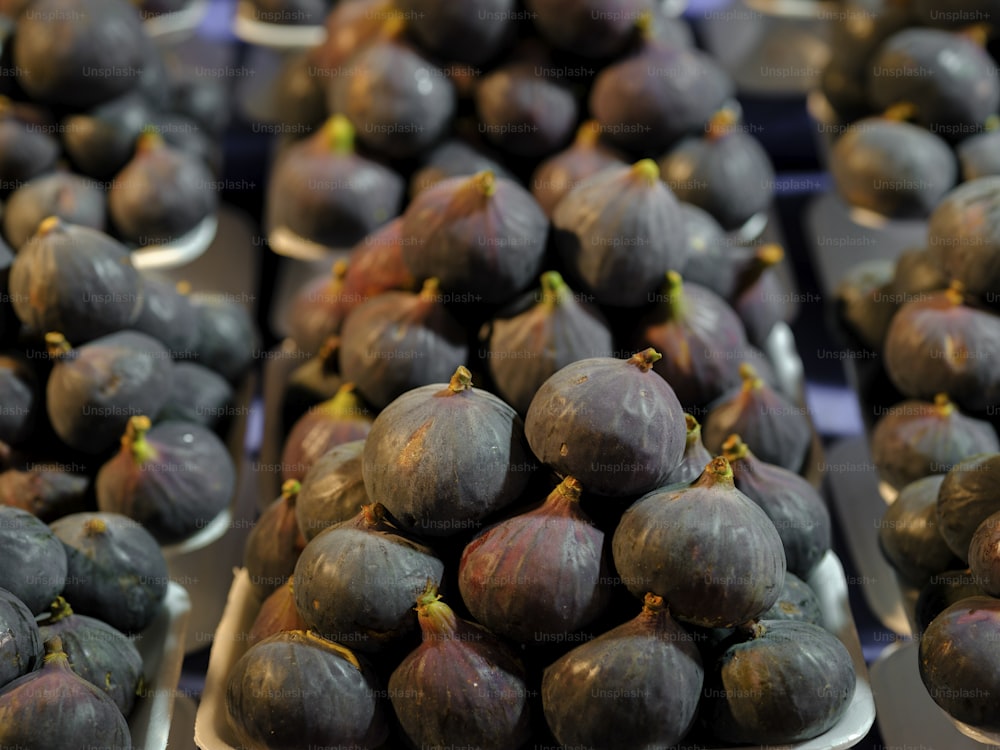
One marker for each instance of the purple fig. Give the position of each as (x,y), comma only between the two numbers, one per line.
(560,173)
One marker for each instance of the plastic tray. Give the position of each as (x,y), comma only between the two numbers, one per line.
(274,35)
(178,25)
(180,251)
(212,729)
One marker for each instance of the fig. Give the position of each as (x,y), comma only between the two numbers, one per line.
(481,236)
(636,685)
(909,534)
(25,151)
(290,12)
(322,190)
(940,592)
(341,419)
(761,298)
(707,549)
(619,231)
(795,508)
(277,615)
(318,309)
(74,280)
(103,656)
(969,494)
(72,712)
(916,273)
(270,702)
(21,651)
(777,431)
(398,341)
(299,94)
(47,491)
(398,102)
(726,171)
(205,100)
(529,344)
(333,490)
(173,478)
(349,28)
(953,343)
(612,423)
(168,316)
(895,169)
(713,260)
(797,601)
(918,438)
(228,339)
(560,173)
(865,302)
(695,456)
(587,27)
(161,195)
(376,265)
(115,569)
(984,555)
(778,682)
(198,395)
(274,543)
(185,137)
(34,567)
(74,199)
(556,579)
(79,53)
(454,158)
(471,32)
(979,155)
(695,329)
(437,492)
(100,141)
(19,397)
(311,383)
(356,581)
(461,686)
(958,661)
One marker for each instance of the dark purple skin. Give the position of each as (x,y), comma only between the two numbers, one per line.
(651,661)
(21,651)
(893,168)
(26,152)
(311,383)
(399,102)
(969,494)
(173,478)
(74,280)
(398,341)
(168,316)
(333,491)
(782,682)
(100,141)
(563,171)
(103,656)
(228,339)
(469,32)
(187,137)
(47,492)
(33,565)
(958,661)
(949,79)
(356,582)
(938,343)
(198,395)
(595,28)
(273,547)
(707,549)
(614,424)
(376,265)
(797,601)
(695,458)
(323,191)
(408,469)
(481,236)
(984,559)
(619,232)
(964,237)
(794,506)
(341,419)
(116,570)
(95,389)
(19,399)
(74,199)
(273,690)
(454,158)
(979,155)
(713,259)
(72,708)
(940,592)
(318,309)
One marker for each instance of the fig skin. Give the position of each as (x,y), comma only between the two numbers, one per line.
(613,424)
(228,339)
(277,615)
(405,469)
(585,27)
(969,494)
(562,172)
(958,661)
(695,457)
(619,232)
(332,491)
(19,396)
(34,566)
(376,265)
(311,383)
(454,158)
(169,317)
(74,199)
(100,141)
(984,560)
(542,571)
(707,549)
(461,686)
(317,310)
(471,32)
(22,650)
(198,395)
(713,260)
(918,438)
(909,536)
(953,344)
(979,156)
(797,602)
(940,592)
(528,347)
(349,28)
(274,543)
(481,236)
(47,492)
(25,153)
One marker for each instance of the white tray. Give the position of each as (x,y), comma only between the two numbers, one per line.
(180,251)
(212,729)
(176,26)
(274,35)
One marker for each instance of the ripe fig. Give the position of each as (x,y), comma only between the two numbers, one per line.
(795,508)
(356,582)
(560,173)
(332,491)
(198,395)
(969,494)
(940,592)
(228,340)
(612,423)
(707,549)
(21,651)
(75,280)
(461,686)
(341,419)
(398,341)
(763,298)
(173,478)
(169,317)
(953,343)
(19,399)
(406,470)
(318,309)
(529,345)
(919,438)
(74,199)
(695,457)
(25,150)
(205,100)
(311,383)
(909,534)
(376,265)
(274,544)
(979,155)
(865,302)
(34,566)
(470,32)
(636,685)
(46,491)
(916,273)
(325,192)
(349,28)
(277,615)
(619,231)
(713,260)
(586,27)
(454,158)
(777,431)
(483,237)
(100,141)
(984,555)
(797,601)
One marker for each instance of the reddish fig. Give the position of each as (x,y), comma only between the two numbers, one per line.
(375,266)
(274,544)
(277,615)
(74,199)
(563,171)
(317,310)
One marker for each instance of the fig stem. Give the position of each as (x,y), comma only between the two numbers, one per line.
(901,112)
(95,526)
(978,33)
(588,134)
(734,449)
(345,404)
(485,182)
(460,381)
(429,292)
(992,123)
(394,25)
(54,651)
(57,345)
(673,291)
(59,610)
(373,514)
(149,139)
(693,428)
(645,24)
(717,473)
(766,257)
(721,124)
(570,489)
(751,380)
(48,225)
(339,135)
(437,620)
(645,359)
(646,170)
(134,439)
(183,288)
(653,604)
(554,289)
(328,354)
(943,404)
(290,490)
(955,293)
(754,628)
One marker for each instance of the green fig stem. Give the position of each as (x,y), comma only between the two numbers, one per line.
(645,24)
(943,405)
(339,270)
(339,134)
(569,489)
(345,404)
(588,134)
(992,123)
(373,514)
(437,620)
(134,439)
(646,170)
(431,290)
(717,473)
(955,293)
(54,651)
(721,124)
(461,381)
(57,345)
(645,359)
(149,140)
(673,292)
(734,449)
(290,491)
(58,610)
(485,182)
(751,380)
(554,289)
(693,429)
(901,112)
(653,604)
(95,526)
